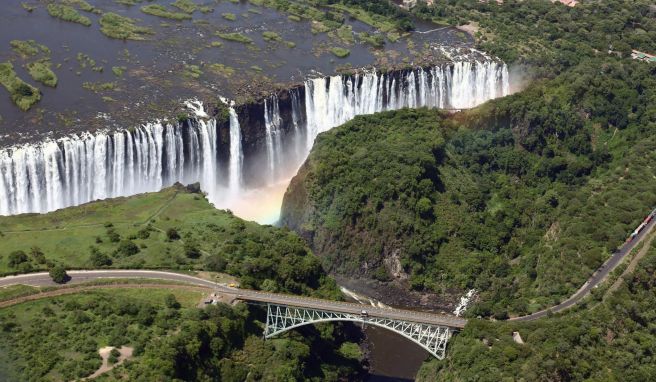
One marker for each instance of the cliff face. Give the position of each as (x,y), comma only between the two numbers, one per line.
(297,207)
(355,202)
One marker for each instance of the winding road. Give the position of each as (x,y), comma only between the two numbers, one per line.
(597,277)
(77,277)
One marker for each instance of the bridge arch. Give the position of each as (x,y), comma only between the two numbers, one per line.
(432,338)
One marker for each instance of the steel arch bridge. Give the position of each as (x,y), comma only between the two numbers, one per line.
(433,338)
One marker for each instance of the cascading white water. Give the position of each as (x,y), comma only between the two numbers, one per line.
(54,174)
(236,153)
(272,123)
(75,170)
(331,101)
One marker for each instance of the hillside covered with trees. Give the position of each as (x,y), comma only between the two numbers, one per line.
(549,37)
(520,199)
(613,340)
(58,339)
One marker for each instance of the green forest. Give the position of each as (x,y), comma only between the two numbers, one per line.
(172,340)
(504,198)
(612,340)
(548,38)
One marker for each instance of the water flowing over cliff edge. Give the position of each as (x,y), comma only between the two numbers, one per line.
(250,154)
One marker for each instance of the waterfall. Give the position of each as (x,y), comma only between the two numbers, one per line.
(81,168)
(332,101)
(236,154)
(272,123)
(70,171)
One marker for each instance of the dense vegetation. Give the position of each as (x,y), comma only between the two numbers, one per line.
(552,37)
(58,339)
(122,27)
(171,229)
(67,13)
(611,341)
(504,199)
(22,94)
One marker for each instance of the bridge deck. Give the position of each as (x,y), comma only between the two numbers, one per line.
(352,308)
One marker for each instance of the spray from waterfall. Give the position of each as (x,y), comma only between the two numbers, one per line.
(74,170)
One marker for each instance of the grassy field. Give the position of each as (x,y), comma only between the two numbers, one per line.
(66,235)
(172,229)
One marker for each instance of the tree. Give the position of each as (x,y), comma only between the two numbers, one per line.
(113,356)
(191,250)
(128,248)
(172,234)
(58,274)
(16,258)
(171,302)
(97,258)
(38,255)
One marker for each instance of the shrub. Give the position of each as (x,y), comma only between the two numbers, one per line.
(113,356)
(97,258)
(340,52)
(192,251)
(16,258)
(58,274)
(172,234)
(38,255)
(128,248)
(66,13)
(171,302)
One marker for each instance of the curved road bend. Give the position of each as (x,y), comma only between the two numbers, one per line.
(597,277)
(43,279)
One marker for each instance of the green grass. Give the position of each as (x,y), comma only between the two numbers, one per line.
(22,94)
(222,70)
(293,18)
(65,236)
(345,33)
(121,27)
(99,86)
(271,36)
(40,71)
(340,52)
(216,44)
(236,37)
(187,6)
(229,16)
(161,11)
(118,70)
(128,2)
(83,5)
(28,48)
(382,23)
(67,13)
(375,40)
(192,71)
(15,291)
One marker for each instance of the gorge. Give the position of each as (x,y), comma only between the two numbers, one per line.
(258,145)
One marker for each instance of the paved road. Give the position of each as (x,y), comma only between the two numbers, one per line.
(43,279)
(597,277)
